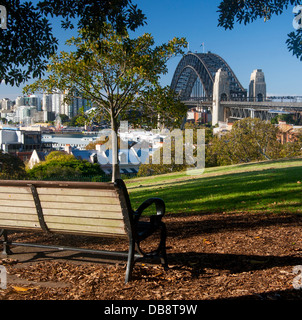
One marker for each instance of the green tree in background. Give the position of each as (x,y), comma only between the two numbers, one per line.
(11,167)
(249,140)
(117,74)
(61,166)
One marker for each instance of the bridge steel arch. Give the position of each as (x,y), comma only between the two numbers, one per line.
(204,67)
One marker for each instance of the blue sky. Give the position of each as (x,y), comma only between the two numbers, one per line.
(260,45)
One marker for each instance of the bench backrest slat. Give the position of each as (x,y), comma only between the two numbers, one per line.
(17,208)
(66,207)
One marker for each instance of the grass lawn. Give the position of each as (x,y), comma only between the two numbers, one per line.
(269,186)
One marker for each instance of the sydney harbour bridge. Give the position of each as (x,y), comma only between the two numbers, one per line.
(205,81)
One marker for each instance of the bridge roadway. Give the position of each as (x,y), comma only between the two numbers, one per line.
(265,110)
(265,105)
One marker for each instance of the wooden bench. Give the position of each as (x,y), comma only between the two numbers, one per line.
(80,208)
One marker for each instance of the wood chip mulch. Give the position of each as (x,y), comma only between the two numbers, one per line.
(219,256)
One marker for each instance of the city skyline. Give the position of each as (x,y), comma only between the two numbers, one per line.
(260,45)
(42,108)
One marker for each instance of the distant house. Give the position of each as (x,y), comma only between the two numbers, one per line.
(198,115)
(24,155)
(287,132)
(223,128)
(129,159)
(36,157)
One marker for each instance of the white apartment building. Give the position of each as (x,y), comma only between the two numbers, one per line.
(20,101)
(25,114)
(71,109)
(47,102)
(34,100)
(6,104)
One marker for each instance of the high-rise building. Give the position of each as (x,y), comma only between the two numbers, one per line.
(56,103)
(71,109)
(47,102)
(35,101)
(20,101)
(59,106)
(76,104)
(6,104)
(24,114)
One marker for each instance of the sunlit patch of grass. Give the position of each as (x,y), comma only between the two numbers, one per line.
(272,186)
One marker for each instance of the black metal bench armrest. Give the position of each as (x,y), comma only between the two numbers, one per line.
(144,229)
(160,210)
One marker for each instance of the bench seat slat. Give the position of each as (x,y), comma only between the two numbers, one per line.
(91,233)
(83,213)
(56,227)
(78,199)
(19,224)
(84,221)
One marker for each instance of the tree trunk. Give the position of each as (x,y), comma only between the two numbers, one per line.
(115,161)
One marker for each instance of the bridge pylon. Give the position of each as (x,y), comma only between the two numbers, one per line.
(257,87)
(221,92)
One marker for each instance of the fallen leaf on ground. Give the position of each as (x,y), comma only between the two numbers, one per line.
(207,241)
(21,289)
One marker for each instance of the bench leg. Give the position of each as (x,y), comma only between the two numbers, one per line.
(162,247)
(130,262)
(6,250)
